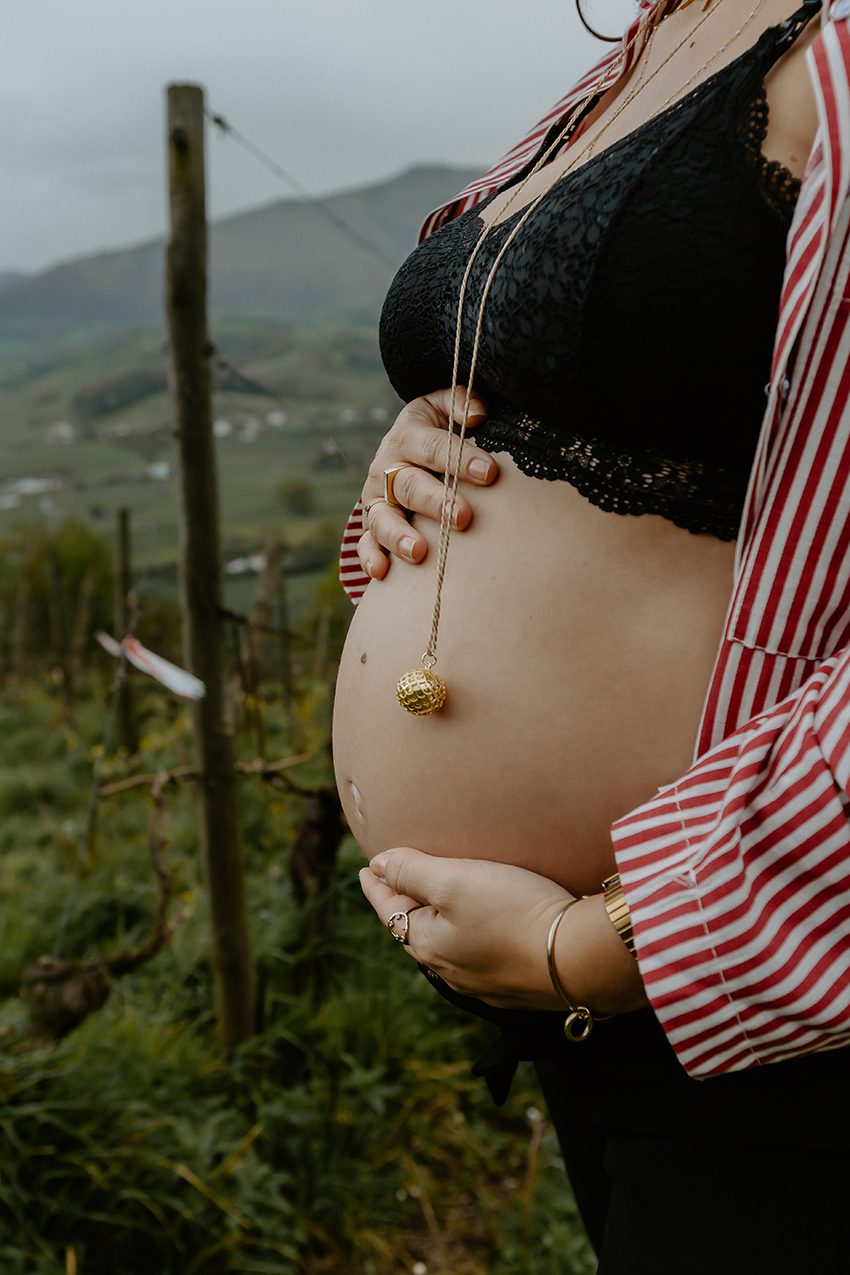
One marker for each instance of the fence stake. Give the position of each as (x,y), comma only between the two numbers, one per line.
(127,733)
(201,589)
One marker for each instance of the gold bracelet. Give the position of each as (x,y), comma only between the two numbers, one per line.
(618,911)
(579,1022)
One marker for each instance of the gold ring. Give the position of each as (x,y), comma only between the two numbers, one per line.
(389,478)
(404,918)
(371,505)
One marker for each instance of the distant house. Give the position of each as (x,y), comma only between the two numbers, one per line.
(60,432)
(222,427)
(250,565)
(276,419)
(33,486)
(159,470)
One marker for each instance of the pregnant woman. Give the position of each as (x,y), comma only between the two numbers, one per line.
(646,920)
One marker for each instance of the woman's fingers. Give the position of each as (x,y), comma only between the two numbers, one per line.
(441,401)
(420,443)
(420,437)
(424,439)
(388,528)
(373,559)
(383,898)
(386,902)
(418,875)
(420,493)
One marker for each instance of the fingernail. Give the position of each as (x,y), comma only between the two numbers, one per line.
(378,864)
(407,546)
(479,469)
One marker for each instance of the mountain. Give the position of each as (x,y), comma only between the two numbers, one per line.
(289,261)
(10,277)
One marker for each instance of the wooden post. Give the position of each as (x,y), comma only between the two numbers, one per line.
(323,631)
(201,590)
(59,636)
(128,736)
(283,626)
(21,624)
(245,685)
(80,623)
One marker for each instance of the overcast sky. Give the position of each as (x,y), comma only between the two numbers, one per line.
(341,92)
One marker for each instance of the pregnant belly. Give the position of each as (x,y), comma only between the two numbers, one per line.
(576,646)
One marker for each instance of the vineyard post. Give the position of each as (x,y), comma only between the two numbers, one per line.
(127,733)
(201,590)
(323,631)
(286,690)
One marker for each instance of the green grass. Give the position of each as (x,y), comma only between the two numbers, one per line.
(347,1136)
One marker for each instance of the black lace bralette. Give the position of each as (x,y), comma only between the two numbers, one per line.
(629,331)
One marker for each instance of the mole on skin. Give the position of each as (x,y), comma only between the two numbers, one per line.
(363,658)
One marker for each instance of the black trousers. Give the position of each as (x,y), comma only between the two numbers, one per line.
(746,1173)
(742,1174)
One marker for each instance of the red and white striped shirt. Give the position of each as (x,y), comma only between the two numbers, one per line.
(738,873)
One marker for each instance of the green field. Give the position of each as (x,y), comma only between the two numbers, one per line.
(327,407)
(346,1138)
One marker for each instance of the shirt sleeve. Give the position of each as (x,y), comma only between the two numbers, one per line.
(352,577)
(737,877)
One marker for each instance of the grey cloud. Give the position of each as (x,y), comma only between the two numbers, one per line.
(341,92)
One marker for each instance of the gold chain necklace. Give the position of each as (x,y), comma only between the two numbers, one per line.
(422,691)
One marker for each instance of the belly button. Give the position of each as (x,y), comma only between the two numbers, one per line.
(357,802)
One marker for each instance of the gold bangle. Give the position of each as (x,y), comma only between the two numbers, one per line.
(617,908)
(579,1022)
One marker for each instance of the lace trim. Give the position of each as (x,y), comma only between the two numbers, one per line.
(778,184)
(699,497)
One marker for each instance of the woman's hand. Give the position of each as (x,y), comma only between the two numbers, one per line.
(419,439)
(483,928)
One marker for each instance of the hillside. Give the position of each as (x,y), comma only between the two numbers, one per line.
(86,418)
(90,430)
(8,278)
(288,262)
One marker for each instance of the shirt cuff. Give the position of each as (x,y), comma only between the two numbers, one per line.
(667,869)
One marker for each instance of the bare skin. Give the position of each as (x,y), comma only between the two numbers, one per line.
(792,116)
(792,123)
(483,924)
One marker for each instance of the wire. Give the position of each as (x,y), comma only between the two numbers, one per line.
(222,361)
(303,193)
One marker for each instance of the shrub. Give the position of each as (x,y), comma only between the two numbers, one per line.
(297,496)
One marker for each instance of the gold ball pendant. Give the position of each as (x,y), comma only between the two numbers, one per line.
(421,692)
